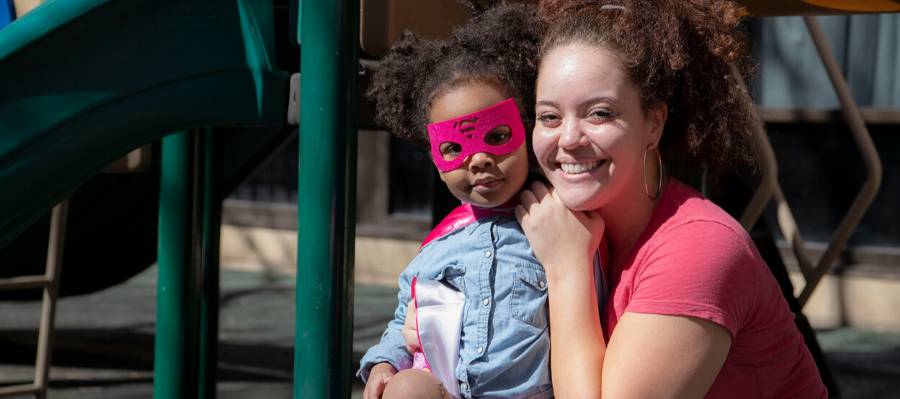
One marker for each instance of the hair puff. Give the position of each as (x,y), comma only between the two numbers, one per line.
(497,47)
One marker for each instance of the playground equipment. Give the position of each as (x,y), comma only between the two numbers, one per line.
(87,82)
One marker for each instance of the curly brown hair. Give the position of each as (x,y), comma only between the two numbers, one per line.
(498,47)
(679,53)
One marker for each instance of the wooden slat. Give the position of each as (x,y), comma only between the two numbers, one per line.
(872,116)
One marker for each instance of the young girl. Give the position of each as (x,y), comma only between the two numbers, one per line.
(465,101)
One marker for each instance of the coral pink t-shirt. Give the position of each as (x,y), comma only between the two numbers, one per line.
(693,259)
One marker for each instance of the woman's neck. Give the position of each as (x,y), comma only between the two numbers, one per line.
(626,220)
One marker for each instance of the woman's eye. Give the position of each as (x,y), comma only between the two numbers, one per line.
(601,114)
(549,120)
(450,151)
(497,138)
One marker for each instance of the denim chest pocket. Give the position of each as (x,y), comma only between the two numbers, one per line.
(454,275)
(529,295)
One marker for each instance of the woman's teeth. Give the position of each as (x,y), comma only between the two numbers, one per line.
(573,168)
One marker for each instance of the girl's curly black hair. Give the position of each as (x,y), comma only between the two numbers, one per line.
(677,52)
(497,47)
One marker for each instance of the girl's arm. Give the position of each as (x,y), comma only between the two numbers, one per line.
(565,241)
(392,348)
(378,378)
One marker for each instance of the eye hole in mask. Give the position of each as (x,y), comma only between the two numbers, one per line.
(497,137)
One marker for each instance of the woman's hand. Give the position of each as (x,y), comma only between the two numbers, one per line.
(410,331)
(561,239)
(378,378)
(565,241)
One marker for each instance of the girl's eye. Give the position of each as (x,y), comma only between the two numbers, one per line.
(499,137)
(450,151)
(549,120)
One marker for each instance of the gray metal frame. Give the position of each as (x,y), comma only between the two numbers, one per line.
(50,283)
(770,189)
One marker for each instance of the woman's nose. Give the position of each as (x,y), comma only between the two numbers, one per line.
(572,136)
(481,160)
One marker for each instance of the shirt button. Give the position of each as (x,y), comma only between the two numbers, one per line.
(487,254)
(480,349)
(486,301)
(542,284)
(464,386)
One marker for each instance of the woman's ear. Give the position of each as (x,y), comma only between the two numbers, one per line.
(657,116)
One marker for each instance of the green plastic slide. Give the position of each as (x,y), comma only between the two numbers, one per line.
(82,83)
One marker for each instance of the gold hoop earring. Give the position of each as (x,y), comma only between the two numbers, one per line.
(659,187)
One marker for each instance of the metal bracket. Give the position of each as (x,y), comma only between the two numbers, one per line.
(293,112)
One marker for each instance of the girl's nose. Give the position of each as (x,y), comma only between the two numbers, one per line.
(481,160)
(572,136)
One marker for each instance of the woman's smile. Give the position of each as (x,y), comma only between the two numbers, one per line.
(576,168)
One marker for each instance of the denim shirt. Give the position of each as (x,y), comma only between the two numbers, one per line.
(504,348)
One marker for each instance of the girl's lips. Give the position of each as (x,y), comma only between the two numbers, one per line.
(485,185)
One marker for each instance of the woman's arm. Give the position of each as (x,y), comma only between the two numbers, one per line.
(577,346)
(658,356)
(649,355)
(565,241)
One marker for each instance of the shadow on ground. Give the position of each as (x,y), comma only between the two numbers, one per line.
(104,341)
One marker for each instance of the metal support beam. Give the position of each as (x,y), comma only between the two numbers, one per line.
(329,68)
(765,156)
(867,150)
(50,283)
(209,300)
(177,301)
(48,310)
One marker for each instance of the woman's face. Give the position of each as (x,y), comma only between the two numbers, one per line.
(591,130)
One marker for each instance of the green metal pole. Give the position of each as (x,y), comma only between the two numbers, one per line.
(329,65)
(209,300)
(175,358)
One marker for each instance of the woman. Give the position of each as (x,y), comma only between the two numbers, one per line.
(693,310)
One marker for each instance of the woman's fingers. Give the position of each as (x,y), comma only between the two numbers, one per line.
(521,214)
(527,199)
(540,190)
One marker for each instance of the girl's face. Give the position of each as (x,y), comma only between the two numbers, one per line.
(483,179)
(591,130)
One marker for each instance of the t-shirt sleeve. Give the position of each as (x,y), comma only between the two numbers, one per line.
(702,269)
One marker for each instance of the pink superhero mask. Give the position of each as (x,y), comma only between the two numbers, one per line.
(471,136)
